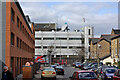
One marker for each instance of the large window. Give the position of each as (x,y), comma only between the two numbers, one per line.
(12,38)
(12,15)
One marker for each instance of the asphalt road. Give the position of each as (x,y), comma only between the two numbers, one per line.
(68,72)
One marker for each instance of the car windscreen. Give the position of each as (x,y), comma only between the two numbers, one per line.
(110,70)
(59,67)
(46,69)
(87,75)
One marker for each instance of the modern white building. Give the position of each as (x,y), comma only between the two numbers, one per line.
(63,41)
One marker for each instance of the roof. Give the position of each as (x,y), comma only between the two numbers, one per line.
(95,40)
(115,37)
(116,31)
(108,37)
(84,71)
(105,57)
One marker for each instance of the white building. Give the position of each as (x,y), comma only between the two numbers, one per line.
(63,41)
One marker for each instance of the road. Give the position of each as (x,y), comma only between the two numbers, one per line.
(68,72)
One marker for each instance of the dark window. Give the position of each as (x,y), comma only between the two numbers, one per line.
(37,46)
(12,38)
(17,22)
(48,38)
(37,38)
(44,47)
(12,15)
(89,31)
(74,38)
(20,25)
(17,42)
(61,38)
(82,40)
(20,43)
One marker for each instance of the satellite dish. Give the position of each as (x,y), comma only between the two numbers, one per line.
(65,26)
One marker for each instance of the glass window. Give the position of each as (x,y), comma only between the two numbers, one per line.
(17,22)
(12,15)
(48,38)
(87,75)
(61,38)
(17,42)
(89,31)
(74,38)
(37,38)
(12,38)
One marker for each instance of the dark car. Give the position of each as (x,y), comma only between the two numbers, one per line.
(108,73)
(84,75)
(116,76)
(53,66)
(59,70)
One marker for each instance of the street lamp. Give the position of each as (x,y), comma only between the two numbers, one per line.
(99,46)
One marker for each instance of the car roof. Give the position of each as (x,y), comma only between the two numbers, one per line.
(84,71)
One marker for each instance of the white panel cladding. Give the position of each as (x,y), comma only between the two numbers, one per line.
(62,41)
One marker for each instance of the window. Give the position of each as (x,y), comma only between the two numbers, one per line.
(48,38)
(37,46)
(61,38)
(82,40)
(89,31)
(20,25)
(12,38)
(74,38)
(12,15)
(37,38)
(61,47)
(17,22)
(44,47)
(17,42)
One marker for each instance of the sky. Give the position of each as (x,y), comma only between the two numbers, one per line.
(103,16)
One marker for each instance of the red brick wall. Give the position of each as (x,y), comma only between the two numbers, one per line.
(26,52)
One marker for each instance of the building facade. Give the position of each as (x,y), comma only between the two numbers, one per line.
(64,43)
(115,48)
(18,37)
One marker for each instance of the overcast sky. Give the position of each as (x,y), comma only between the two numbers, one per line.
(103,16)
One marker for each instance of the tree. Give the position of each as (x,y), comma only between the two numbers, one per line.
(51,51)
(80,52)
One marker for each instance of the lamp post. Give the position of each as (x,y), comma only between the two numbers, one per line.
(98,54)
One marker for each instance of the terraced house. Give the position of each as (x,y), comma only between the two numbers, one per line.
(17,37)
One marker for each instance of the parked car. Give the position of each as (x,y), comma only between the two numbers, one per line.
(83,75)
(116,76)
(53,66)
(78,64)
(108,73)
(84,65)
(59,70)
(73,64)
(90,66)
(48,72)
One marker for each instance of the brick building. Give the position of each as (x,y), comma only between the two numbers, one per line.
(19,37)
(115,47)
(101,47)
